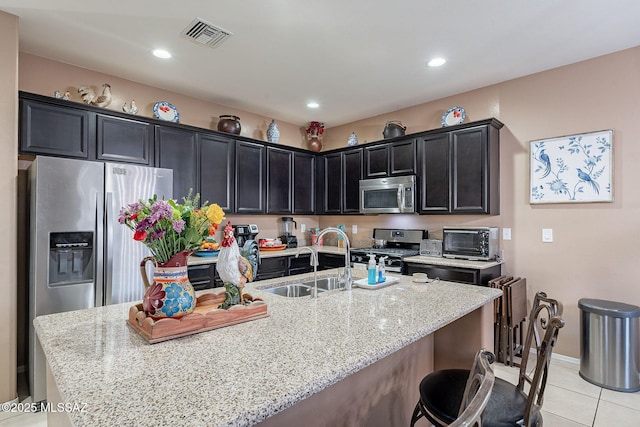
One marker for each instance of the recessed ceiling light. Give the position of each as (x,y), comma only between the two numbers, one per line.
(436,62)
(161,53)
(313,104)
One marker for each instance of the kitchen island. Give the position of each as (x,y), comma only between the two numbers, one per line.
(348,357)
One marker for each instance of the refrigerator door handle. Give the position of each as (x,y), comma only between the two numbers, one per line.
(99,250)
(108,249)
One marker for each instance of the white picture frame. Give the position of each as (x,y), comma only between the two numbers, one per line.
(572,169)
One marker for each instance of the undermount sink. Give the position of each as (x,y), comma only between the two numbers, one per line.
(325,284)
(291,291)
(304,289)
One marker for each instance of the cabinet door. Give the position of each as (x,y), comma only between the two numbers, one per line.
(351,176)
(376,161)
(270,268)
(53,129)
(279,180)
(332,184)
(123,140)
(250,177)
(176,149)
(402,158)
(304,184)
(469,170)
(433,154)
(217,170)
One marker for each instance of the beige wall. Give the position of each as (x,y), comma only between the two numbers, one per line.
(43,76)
(588,257)
(8,193)
(594,253)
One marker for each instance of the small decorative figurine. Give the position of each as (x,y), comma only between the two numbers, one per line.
(273,133)
(89,95)
(132,109)
(353,140)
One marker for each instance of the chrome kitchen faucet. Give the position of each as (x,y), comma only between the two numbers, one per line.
(347,254)
(314,262)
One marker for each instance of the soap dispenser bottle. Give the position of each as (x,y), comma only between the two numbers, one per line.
(371,270)
(382,275)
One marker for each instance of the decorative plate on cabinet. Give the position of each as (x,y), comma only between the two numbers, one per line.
(453,116)
(166,111)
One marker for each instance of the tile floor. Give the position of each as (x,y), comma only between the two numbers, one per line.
(569,401)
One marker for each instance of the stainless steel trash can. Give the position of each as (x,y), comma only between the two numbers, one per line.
(609,344)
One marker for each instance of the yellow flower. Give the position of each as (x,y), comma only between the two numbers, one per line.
(215,213)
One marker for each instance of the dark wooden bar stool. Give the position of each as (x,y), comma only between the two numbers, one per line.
(441,392)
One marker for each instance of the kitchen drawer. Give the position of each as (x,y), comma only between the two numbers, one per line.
(300,265)
(329,261)
(270,268)
(202,276)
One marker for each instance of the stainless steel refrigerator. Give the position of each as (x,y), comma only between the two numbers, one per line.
(80,256)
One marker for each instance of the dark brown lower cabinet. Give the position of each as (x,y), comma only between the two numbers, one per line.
(455,274)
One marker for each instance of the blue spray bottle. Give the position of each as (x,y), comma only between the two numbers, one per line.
(371,270)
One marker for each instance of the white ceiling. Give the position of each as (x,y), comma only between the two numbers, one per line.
(357,58)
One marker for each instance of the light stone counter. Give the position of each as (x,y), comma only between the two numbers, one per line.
(243,374)
(196,260)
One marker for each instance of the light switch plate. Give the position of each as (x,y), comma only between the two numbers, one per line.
(354,229)
(303,228)
(547,235)
(506,234)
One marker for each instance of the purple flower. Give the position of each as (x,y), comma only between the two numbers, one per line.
(178,226)
(159,210)
(144,225)
(136,207)
(157,234)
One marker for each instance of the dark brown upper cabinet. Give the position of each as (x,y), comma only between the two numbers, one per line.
(124,140)
(250,185)
(390,159)
(47,128)
(176,149)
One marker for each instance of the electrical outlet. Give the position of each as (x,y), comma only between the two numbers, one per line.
(506,234)
(547,235)
(354,229)
(303,228)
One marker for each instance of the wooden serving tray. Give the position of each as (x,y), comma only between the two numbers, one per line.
(205,317)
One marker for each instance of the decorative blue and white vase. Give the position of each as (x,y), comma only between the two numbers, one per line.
(353,140)
(273,133)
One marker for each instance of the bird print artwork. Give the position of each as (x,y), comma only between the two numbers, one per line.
(583,176)
(236,266)
(544,158)
(572,169)
(89,95)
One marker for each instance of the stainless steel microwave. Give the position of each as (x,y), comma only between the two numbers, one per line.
(472,243)
(388,195)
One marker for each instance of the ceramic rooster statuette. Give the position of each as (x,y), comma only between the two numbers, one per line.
(132,109)
(89,95)
(236,266)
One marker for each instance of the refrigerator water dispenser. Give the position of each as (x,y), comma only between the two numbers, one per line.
(70,258)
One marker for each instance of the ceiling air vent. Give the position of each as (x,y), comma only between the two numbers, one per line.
(205,33)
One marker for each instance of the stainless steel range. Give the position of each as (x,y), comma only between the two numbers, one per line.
(396,244)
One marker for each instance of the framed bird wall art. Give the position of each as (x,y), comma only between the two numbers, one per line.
(575,168)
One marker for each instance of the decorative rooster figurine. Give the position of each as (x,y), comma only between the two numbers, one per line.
(89,96)
(236,266)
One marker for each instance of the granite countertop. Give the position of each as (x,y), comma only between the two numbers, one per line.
(196,260)
(242,374)
(478,265)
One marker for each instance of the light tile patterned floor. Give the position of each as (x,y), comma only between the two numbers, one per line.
(569,401)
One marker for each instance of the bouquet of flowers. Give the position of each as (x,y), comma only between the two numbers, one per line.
(315,129)
(167,227)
